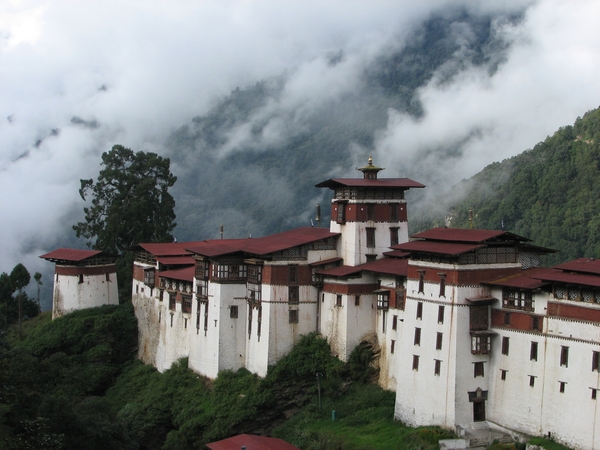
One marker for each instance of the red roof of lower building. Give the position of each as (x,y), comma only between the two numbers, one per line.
(167,248)
(263,245)
(251,442)
(523,280)
(583,265)
(462,235)
(391,266)
(69,254)
(441,248)
(185,274)
(405,183)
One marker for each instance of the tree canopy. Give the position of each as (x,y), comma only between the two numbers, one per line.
(130,202)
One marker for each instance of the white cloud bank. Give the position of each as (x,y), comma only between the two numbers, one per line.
(134,71)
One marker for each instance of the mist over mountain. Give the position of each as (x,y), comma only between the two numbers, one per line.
(550,193)
(256,102)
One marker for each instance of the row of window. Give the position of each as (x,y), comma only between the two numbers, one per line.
(437,365)
(438,340)
(421,289)
(564,354)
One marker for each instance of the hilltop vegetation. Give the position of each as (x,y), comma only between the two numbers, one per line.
(550,194)
(75,383)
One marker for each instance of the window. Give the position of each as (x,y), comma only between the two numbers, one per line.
(517,300)
(172,300)
(392,346)
(535,323)
(293,316)
(80,278)
(383,300)
(480,344)
(415,365)
(357,300)
(294,294)
(184,323)
(505,345)
(531,380)
(477,369)
(506,318)
(594,391)
(341,213)
(533,351)
(502,374)
(421,281)
(393,212)
(442,284)
(186,303)
(564,356)
(438,367)
(338,300)
(233,312)
(370,237)
(596,361)
(561,387)
(394,322)
(371,258)
(441,314)
(417,336)
(478,317)
(420,310)
(370,212)
(292,274)
(438,341)
(393,236)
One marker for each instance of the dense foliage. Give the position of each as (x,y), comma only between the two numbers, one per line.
(130,201)
(14,303)
(550,194)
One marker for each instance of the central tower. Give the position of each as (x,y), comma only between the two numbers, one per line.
(369,212)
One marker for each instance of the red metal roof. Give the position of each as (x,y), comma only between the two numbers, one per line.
(405,183)
(442,248)
(397,254)
(69,254)
(324,262)
(167,248)
(176,260)
(461,235)
(251,442)
(583,265)
(522,280)
(185,274)
(341,271)
(263,245)
(392,266)
(565,277)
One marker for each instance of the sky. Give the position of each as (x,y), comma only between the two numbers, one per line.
(78,77)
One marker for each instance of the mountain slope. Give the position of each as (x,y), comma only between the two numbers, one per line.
(550,193)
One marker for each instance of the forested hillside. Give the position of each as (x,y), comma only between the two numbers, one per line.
(550,193)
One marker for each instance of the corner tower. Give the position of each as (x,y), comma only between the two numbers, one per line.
(369,212)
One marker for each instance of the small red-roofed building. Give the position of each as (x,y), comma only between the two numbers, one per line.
(251,442)
(82,279)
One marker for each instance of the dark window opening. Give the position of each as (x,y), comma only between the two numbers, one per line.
(392,346)
(341,213)
(438,341)
(502,374)
(357,300)
(394,240)
(415,364)
(564,356)
(417,336)
(80,278)
(233,312)
(338,300)
(370,237)
(478,369)
(531,380)
(594,391)
(394,322)
(506,318)
(421,281)
(596,361)
(438,367)
(442,285)
(562,385)
(293,316)
(393,212)
(419,310)
(533,351)
(505,345)
(292,274)
(370,212)
(441,314)
(186,303)
(294,294)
